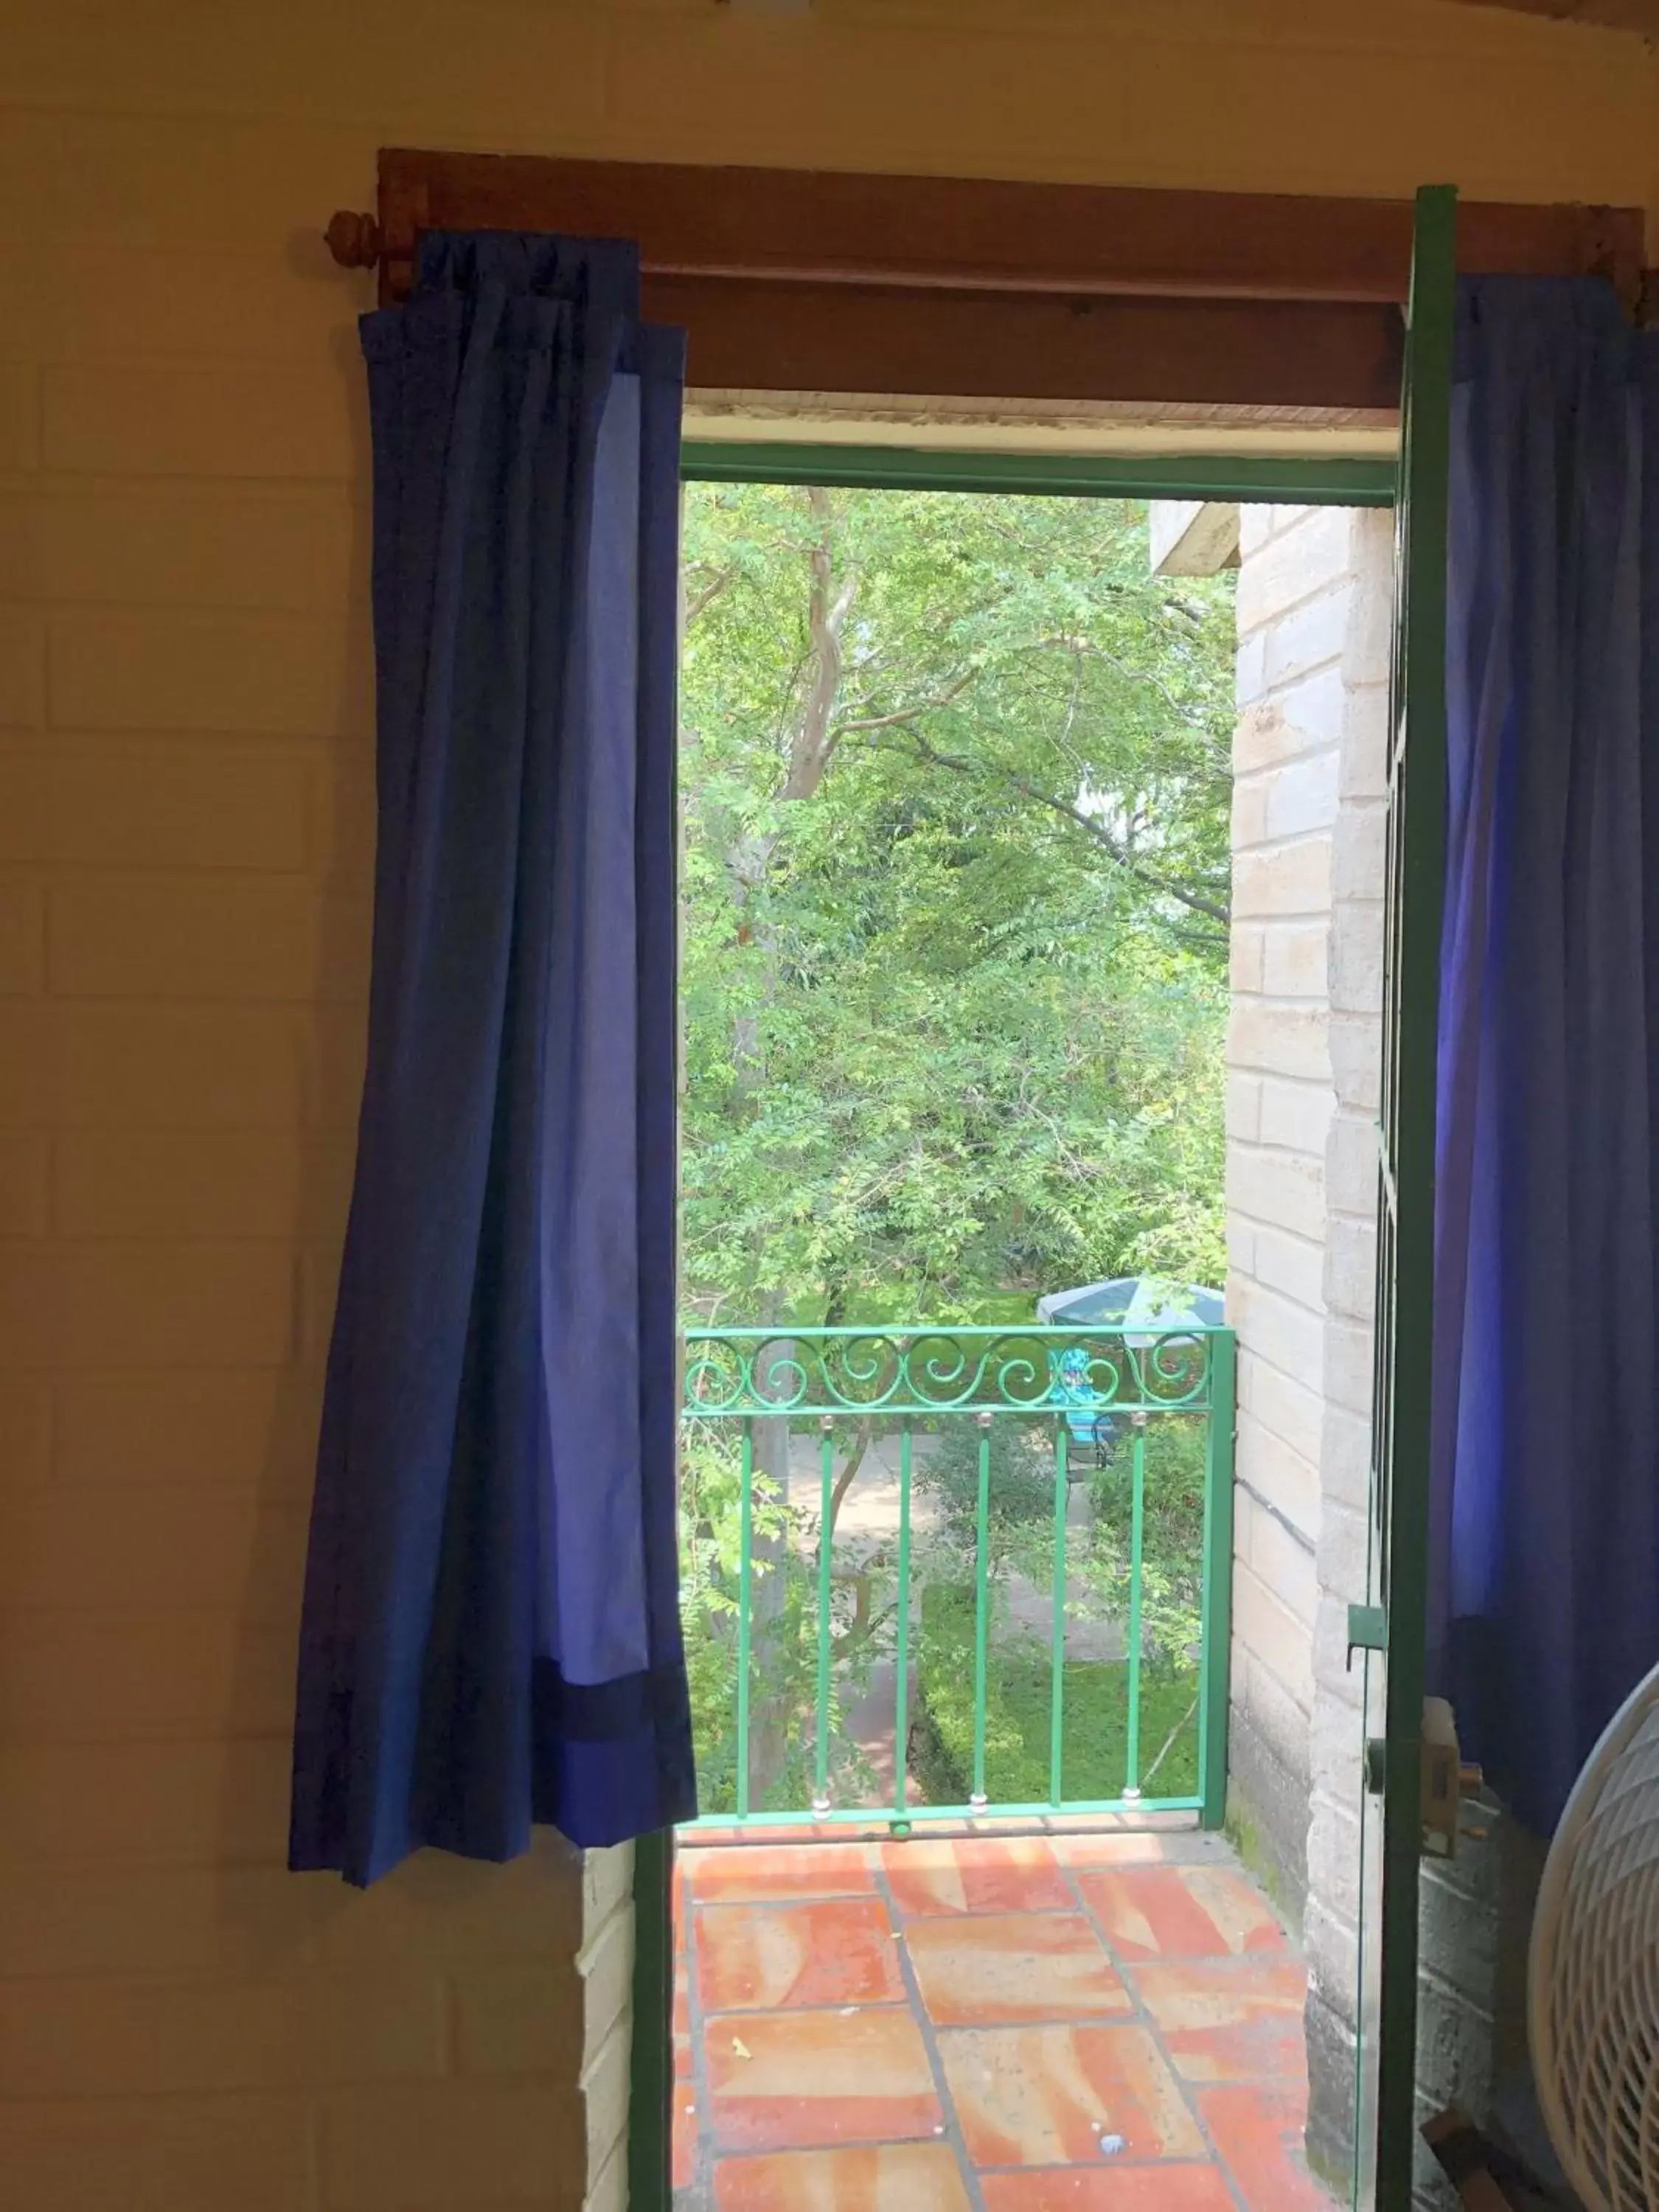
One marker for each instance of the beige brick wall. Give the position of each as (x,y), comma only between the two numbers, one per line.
(1350,1285)
(1313,602)
(184,859)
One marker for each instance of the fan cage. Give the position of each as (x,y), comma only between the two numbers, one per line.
(1594,1995)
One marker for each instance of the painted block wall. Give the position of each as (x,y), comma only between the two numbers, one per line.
(185,859)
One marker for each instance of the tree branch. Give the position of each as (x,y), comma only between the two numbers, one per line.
(1081,647)
(828,605)
(868,722)
(861,1631)
(709,592)
(931,756)
(866,1430)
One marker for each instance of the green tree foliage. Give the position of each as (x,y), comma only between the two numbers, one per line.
(1020,1516)
(956,788)
(783,1637)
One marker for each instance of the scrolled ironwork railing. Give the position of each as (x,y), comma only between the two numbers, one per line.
(982,1425)
(739,1371)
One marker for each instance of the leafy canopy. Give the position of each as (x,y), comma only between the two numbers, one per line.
(957,791)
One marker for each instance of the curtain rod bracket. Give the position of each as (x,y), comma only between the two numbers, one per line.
(385,241)
(353,240)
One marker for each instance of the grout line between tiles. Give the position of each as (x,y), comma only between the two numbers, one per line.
(953,2129)
(1143,2019)
(1223,1966)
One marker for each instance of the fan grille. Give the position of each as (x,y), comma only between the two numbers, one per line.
(1596,1970)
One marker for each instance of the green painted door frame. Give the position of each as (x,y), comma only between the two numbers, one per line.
(1339,481)
(1404,1296)
(651,2083)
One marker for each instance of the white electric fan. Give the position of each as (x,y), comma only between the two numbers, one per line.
(1593,1994)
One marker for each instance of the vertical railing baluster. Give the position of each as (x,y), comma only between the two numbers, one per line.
(1137,1532)
(982,1609)
(1057,1689)
(826,1542)
(745,1595)
(902,1685)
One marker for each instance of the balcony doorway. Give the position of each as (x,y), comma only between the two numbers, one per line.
(960,1925)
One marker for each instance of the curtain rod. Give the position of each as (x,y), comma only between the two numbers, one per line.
(811,280)
(968,234)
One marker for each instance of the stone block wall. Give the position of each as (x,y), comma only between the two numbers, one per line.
(1475,1940)
(1313,605)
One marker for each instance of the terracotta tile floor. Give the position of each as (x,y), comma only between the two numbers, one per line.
(1064,2023)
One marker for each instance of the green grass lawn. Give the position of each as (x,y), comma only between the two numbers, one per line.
(1096,1709)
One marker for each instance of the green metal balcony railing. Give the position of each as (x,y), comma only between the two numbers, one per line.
(1041,1559)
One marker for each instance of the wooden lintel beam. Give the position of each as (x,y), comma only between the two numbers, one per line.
(833,337)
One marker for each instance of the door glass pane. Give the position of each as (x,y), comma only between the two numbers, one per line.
(1370,1962)
(1388,1714)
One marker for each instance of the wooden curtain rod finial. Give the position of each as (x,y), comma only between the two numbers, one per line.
(353,240)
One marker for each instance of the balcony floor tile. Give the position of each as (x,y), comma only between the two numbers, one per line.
(799,2080)
(979,1874)
(883,2178)
(981,1969)
(1180,1911)
(837,1951)
(1227,2020)
(1045,2096)
(1164,2187)
(1054,2022)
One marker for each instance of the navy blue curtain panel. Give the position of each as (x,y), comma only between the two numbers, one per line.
(1545,1557)
(490,1635)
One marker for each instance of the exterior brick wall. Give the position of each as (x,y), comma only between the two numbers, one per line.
(1350,1284)
(185,864)
(1304,1058)
(1472,2038)
(1314,601)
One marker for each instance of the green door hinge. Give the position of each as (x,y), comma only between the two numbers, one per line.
(1368,1630)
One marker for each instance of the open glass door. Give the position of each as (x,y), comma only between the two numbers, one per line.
(1390,1629)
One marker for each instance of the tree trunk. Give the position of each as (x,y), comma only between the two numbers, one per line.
(748,859)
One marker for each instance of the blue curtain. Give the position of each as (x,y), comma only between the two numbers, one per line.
(1544,1561)
(490,1634)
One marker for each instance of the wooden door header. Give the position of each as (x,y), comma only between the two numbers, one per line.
(807,280)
